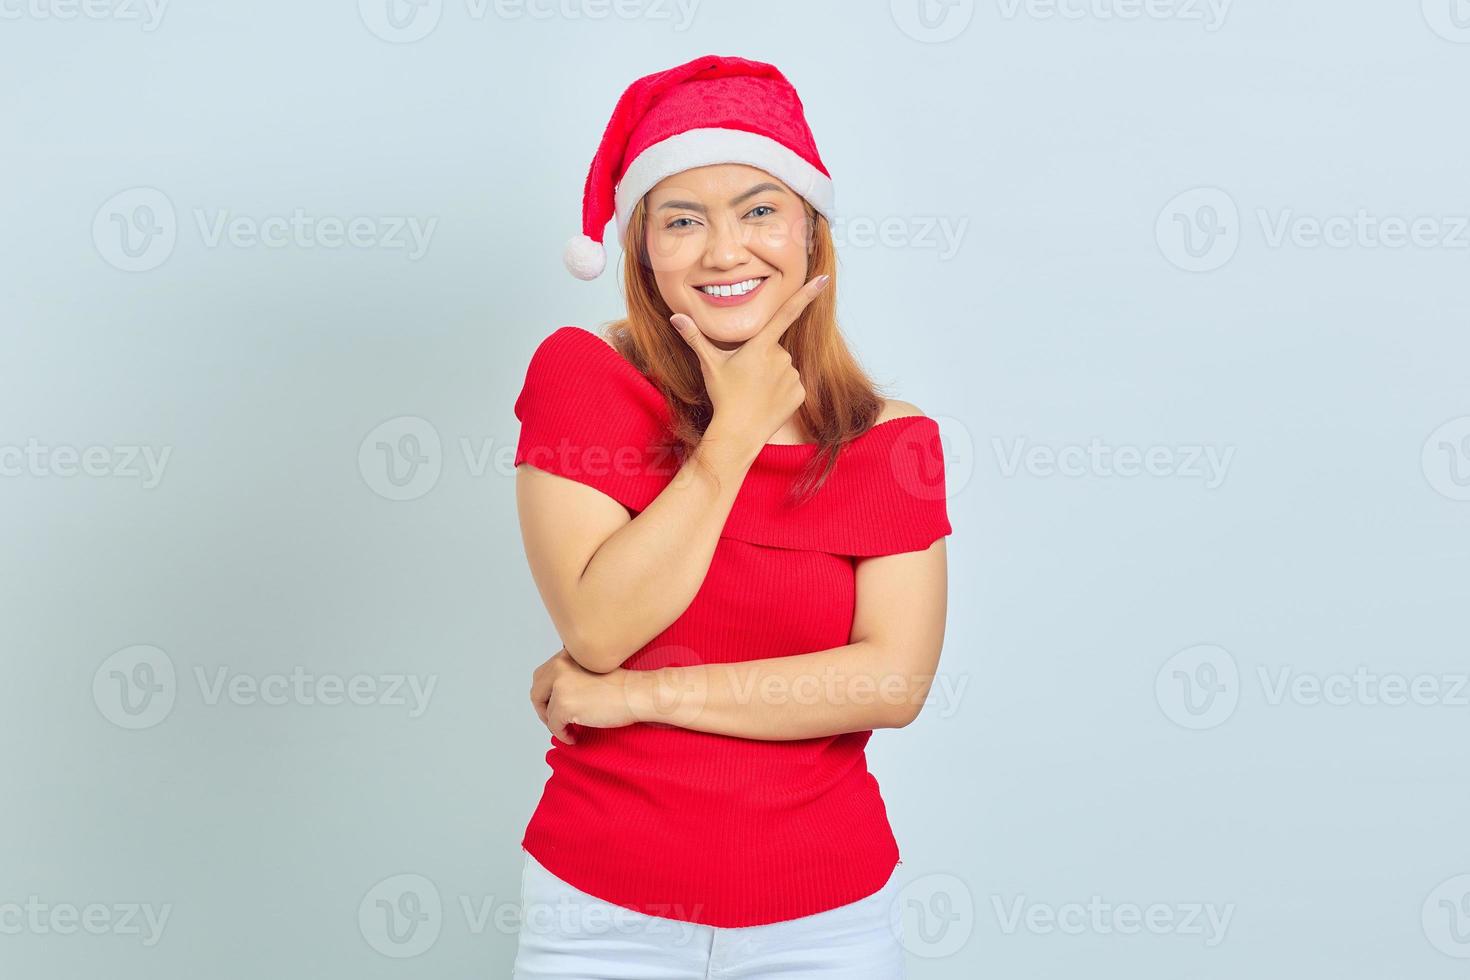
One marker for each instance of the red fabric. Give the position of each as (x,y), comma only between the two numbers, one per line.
(707,828)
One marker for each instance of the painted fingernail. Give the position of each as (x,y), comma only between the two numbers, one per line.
(822,281)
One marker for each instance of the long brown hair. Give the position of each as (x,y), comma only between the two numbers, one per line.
(842,401)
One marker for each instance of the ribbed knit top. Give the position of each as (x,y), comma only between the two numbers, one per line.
(708,828)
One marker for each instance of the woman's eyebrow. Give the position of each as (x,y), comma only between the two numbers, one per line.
(694,206)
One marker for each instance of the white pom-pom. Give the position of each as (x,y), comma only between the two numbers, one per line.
(584,258)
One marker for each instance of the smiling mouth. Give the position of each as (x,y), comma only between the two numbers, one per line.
(733,289)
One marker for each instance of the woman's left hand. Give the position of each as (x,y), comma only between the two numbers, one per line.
(563,692)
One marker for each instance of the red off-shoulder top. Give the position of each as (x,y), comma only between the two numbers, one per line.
(706,828)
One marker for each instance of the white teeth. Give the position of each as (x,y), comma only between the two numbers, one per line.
(739,289)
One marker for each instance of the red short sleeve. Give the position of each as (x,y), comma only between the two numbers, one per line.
(587,414)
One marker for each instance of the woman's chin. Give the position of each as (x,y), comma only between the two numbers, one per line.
(730,331)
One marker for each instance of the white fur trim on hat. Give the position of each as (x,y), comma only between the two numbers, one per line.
(583,257)
(702,147)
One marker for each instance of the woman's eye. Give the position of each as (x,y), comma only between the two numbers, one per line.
(762,207)
(675,223)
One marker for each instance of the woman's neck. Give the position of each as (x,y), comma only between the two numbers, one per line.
(791,433)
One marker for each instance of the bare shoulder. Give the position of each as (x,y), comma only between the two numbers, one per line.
(895,409)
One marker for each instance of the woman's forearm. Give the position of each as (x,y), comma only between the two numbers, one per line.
(646,573)
(852,688)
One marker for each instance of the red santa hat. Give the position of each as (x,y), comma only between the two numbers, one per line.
(710,110)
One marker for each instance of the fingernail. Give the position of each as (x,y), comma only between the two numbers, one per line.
(822,281)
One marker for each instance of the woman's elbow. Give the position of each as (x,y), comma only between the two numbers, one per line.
(903,707)
(902,714)
(596,657)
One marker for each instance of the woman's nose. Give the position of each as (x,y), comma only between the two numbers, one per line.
(727,245)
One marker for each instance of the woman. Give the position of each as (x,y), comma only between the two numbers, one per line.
(741,545)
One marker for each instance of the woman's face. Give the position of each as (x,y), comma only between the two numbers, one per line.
(726,224)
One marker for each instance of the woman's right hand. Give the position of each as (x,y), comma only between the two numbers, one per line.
(753,389)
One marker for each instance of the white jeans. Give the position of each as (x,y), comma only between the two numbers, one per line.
(567,934)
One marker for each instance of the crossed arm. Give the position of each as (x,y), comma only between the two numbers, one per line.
(878,680)
(612,581)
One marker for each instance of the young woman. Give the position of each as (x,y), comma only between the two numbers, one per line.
(741,545)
